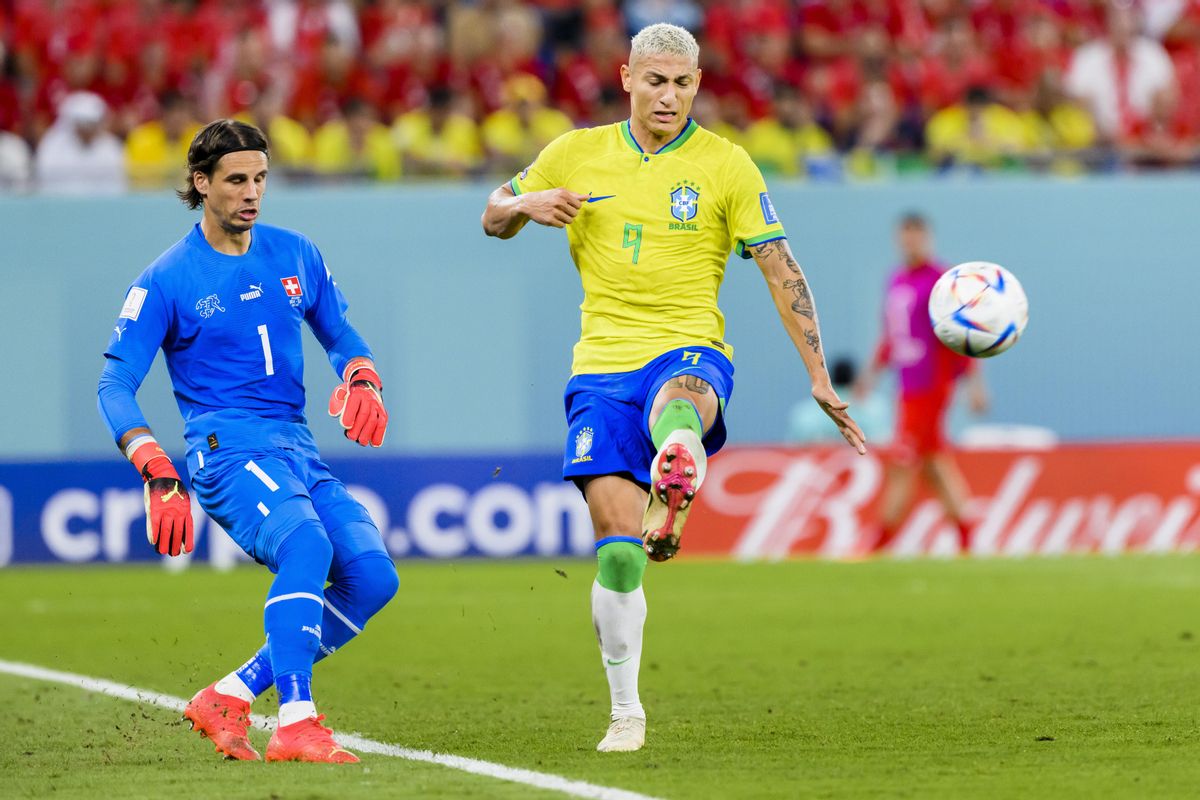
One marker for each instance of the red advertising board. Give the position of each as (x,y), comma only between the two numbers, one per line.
(775,502)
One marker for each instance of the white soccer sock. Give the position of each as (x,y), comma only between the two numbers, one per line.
(234,686)
(688,438)
(619,618)
(295,711)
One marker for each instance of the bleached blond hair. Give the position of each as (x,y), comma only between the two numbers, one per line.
(662,38)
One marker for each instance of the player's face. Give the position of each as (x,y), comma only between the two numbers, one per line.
(661,90)
(915,243)
(233,195)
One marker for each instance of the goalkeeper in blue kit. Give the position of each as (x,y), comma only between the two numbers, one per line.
(226,305)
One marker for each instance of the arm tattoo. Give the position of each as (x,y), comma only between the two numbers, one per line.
(814,341)
(690,383)
(780,249)
(803,303)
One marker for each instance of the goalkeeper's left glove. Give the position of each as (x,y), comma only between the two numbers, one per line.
(357,402)
(168,508)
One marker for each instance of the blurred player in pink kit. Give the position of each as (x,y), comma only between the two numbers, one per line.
(926,374)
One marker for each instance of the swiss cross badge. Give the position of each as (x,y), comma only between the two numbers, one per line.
(291,285)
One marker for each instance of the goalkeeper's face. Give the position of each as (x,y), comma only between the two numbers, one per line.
(661,90)
(233,195)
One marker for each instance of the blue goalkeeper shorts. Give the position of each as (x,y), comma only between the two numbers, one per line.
(608,415)
(261,494)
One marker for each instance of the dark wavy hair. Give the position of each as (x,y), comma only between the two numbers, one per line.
(215,140)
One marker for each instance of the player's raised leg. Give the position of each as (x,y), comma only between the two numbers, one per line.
(619,604)
(683,410)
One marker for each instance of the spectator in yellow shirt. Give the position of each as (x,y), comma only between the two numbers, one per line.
(976,133)
(516,133)
(156,151)
(785,143)
(356,145)
(440,139)
(1058,127)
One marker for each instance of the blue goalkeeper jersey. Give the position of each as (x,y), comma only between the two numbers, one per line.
(230,329)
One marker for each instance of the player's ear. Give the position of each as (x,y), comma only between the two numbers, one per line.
(200,180)
(626,78)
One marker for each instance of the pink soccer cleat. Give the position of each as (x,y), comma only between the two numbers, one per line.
(673,486)
(308,740)
(222,719)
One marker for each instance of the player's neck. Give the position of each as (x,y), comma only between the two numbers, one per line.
(235,243)
(650,142)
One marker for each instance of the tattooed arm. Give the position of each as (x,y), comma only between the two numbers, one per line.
(793,300)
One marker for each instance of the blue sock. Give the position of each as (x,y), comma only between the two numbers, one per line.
(295,605)
(294,688)
(362,588)
(256,673)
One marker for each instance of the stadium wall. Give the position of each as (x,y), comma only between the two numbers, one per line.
(473,336)
(757,503)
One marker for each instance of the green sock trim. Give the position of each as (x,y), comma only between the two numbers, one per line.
(622,565)
(678,414)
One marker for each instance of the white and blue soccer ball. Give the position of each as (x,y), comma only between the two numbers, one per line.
(978,309)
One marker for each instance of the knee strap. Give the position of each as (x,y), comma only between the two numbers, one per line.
(679,414)
(622,564)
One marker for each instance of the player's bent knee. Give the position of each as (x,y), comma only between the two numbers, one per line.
(377,585)
(622,565)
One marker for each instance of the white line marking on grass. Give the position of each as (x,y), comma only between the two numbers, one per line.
(540,780)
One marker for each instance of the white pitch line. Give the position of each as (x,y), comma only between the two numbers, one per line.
(354,741)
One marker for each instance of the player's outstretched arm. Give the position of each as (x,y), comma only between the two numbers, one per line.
(789,290)
(507,213)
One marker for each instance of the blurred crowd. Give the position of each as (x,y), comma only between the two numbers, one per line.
(104,95)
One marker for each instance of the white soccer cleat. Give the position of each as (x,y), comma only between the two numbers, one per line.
(625,735)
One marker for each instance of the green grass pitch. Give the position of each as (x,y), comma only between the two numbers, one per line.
(1072,677)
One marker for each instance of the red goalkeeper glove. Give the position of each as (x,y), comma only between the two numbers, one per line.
(168,508)
(357,402)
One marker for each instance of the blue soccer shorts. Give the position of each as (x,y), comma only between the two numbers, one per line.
(608,415)
(259,496)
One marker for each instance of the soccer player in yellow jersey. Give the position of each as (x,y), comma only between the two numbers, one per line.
(652,208)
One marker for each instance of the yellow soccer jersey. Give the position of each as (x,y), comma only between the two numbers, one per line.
(652,241)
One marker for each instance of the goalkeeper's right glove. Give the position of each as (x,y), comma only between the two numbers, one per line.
(168,508)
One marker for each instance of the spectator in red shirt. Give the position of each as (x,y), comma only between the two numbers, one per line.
(957,63)
(327,85)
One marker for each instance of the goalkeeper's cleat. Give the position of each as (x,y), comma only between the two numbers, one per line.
(625,735)
(307,740)
(673,485)
(222,719)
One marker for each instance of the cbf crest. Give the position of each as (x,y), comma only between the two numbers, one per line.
(583,445)
(685,202)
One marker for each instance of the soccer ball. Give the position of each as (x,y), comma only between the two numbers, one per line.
(978,309)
